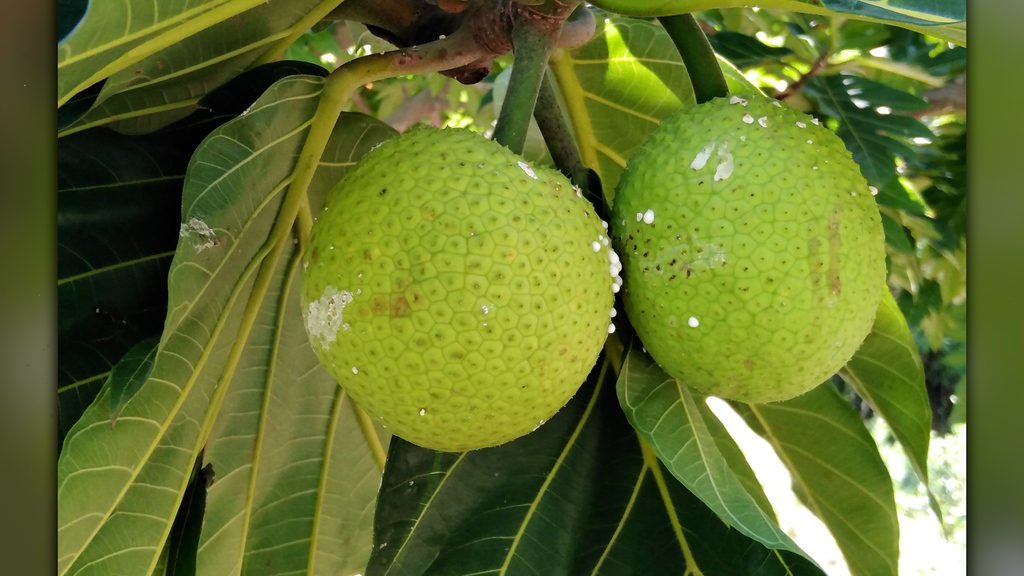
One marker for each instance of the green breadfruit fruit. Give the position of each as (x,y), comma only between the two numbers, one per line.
(458,294)
(752,249)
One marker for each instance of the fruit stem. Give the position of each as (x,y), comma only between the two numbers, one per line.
(701,64)
(558,137)
(456,50)
(531,47)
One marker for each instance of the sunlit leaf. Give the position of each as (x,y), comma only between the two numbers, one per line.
(838,472)
(617,88)
(665,412)
(169,84)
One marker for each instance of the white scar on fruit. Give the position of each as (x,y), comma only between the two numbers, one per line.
(689,258)
(206,234)
(325,317)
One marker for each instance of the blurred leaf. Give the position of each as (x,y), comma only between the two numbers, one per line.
(893,193)
(895,235)
(862,36)
(169,84)
(868,134)
(745,51)
(927,299)
(581,495)
(130,374)
(314,45)
(838,472)
(878,94)
(665,413)
(105,476)
(959,413)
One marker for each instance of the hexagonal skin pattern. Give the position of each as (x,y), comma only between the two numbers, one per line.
(752,249)
(458,294)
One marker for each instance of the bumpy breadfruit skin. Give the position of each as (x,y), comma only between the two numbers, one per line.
(760,264)
(456,292)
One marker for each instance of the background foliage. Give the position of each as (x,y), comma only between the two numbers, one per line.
(198,434)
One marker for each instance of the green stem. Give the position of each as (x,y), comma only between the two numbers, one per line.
(531,47)
(457,50)
(558,137)
(701,64)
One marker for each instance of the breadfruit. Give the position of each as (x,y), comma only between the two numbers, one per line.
(752,249)
(458,294)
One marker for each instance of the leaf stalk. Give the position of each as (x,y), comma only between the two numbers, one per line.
(701,64)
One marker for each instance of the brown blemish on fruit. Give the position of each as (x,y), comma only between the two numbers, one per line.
(380,306)
(835,242)
(400,307)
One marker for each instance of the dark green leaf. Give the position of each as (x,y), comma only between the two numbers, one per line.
(895,235)
(665,412)
(117,226)
(78,106)
(862,36)
(893,193)
(744,51)
(69,14)
(878,94)
(183,542)
(867,133)
(927,299)
(837,471)
(130,374)
(582,495)
(118,219)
